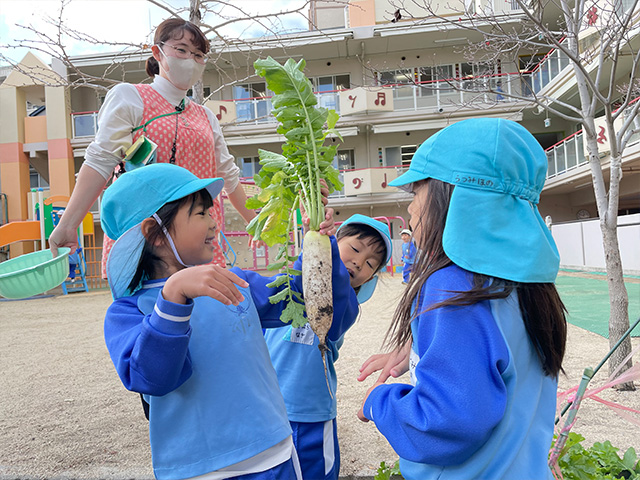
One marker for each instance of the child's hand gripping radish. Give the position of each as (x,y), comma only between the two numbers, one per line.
(292,179)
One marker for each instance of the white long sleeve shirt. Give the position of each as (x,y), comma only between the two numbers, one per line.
(123,110)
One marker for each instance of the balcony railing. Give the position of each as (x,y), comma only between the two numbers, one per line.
(257,110)
(566,155)
(547,69)
(439,94)
(431,95)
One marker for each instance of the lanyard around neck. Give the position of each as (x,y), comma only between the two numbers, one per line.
(179,109)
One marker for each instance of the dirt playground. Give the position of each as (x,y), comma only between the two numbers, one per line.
(65,415)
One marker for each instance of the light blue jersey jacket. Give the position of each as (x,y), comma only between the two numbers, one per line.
(205,370)
(480,406)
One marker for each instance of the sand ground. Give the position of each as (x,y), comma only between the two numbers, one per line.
(65,415)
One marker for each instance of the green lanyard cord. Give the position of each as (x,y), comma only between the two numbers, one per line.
(179,109)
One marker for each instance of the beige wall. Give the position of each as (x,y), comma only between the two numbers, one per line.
(14,109)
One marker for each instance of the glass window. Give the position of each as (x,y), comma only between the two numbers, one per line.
(392,156)
(324,84)
(206,91)
(406,153)
(344,160)
(343,82)
(249,166)
(36,180)
(399,156)
(331,83)
(84,125)
(251,102)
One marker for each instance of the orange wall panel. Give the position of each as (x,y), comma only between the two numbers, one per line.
(60,148)
(35,129)
(362,13)
(61,176)
(12,152)
(15,186)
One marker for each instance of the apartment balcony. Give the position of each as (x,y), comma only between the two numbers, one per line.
(568,160)
(369,186)
(253,116)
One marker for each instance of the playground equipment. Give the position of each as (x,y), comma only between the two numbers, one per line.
(77,278)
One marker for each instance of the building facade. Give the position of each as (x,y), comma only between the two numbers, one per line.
(394,76)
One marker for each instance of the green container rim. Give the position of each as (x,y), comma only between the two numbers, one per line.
(61,252)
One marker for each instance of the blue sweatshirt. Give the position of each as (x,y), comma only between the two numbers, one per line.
(297,359)
(205,370)
(480,405)
(408,253)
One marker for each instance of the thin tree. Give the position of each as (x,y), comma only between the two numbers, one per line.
(213,18)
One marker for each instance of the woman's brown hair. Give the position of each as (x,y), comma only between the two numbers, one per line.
(174,28)
(542,309)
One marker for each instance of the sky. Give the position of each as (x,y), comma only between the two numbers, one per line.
(126,21)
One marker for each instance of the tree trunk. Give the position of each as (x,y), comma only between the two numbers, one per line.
(618,303)
(194,17)
(618,298)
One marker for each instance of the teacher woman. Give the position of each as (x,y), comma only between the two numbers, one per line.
(187,134)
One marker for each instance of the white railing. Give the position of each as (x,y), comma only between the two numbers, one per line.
(437,95)
(257,110)
(548,68)
(569,153)
(566,155)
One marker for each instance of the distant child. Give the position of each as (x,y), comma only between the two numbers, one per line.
(408,254)
(365,248)
(485,323)
(189,336)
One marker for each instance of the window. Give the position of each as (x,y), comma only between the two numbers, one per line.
(249,166)
(402,81)
(206,92)
(36,180)
(435,78)
(344,160)
(251,101)
(623,6)
(327,89)
(429,79)
(398,156)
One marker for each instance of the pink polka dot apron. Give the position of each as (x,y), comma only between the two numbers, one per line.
(194,149)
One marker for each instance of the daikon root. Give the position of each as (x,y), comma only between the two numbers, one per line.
(317,288)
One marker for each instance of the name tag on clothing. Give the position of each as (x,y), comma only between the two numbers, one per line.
(413,362)
(302,335)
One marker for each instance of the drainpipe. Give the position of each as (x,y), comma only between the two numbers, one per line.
(362,67)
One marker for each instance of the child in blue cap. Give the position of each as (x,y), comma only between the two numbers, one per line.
(188,336)
(481,314)
(365,248)
(408,254)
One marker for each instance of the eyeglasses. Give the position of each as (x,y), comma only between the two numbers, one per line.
(184,53)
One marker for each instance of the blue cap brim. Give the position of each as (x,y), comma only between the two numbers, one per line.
(406,179)
(367,289)
(123,260)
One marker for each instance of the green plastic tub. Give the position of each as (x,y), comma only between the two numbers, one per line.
(33,273)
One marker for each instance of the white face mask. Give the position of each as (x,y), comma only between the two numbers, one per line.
(183,73)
